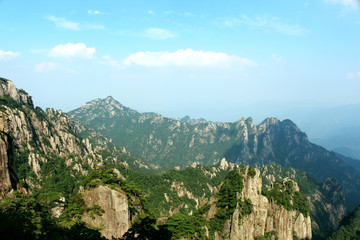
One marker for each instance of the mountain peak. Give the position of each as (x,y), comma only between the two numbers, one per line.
(105,108)
(188,119)
(8,89)
(111,101)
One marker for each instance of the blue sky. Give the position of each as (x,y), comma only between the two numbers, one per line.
(214,59)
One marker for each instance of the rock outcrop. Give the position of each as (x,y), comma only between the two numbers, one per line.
(115,219)
(267,217)
(7,173)
(327,199)
(7,88)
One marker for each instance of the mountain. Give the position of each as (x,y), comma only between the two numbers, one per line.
(45,139)
(168,143)
(336,128)
(62,180)
(44,157)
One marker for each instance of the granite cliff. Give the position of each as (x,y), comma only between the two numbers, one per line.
(267,217)
(240,209)
(7,173)
(115,219)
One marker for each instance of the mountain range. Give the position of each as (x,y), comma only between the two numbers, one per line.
(167,143)
(107,171)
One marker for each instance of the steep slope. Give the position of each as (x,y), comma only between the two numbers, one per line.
(102,207)
(239,210)
(187,191)
(350,227)
(327,199)
(49,151)
(44,155)
(168,143)
(8,178)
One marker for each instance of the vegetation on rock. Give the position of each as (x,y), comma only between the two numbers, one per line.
(283,193)
(350,228)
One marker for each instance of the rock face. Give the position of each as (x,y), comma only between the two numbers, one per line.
(7,88)
(327,199)
(39,137)
(38,133)
(115,220)
(7,174)
(267,217)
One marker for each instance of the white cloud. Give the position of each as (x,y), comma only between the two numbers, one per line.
(186,58)
(94,12)
(354,4)
(72,50)
(158,34)
(46,66)
(151,12)
(4,56)
(63,23)
(70,25)
(266,22)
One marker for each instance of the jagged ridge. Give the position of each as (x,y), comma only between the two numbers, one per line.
(168,143)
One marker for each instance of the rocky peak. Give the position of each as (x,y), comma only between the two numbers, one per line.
(267,216)
(264,125)
(107,108)
(112,102)
(7,88)
(224,165)
(192,121)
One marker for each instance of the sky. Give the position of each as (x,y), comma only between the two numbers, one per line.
(219,60)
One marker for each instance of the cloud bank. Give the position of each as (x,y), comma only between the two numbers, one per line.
(180,58)
(63,23)
(72,50)
(4,56)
